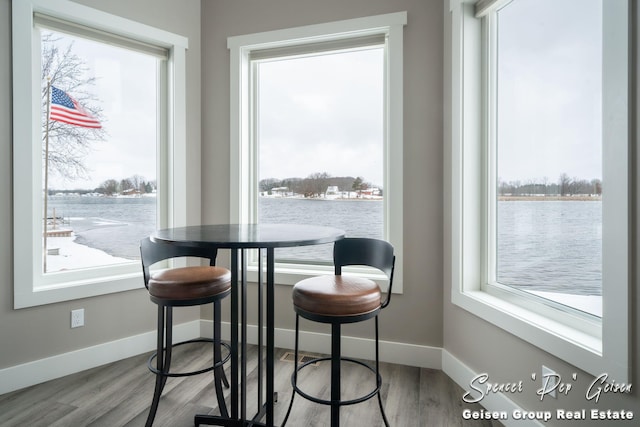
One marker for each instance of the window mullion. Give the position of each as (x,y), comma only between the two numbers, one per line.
(253,155)
(254,141)
(489,139)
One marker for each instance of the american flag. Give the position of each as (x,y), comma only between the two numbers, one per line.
(67,110)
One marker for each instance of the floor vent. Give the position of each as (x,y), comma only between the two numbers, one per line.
(289,356)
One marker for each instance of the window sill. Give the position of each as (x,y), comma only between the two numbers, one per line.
(290,274)
(575,346)
(72,290)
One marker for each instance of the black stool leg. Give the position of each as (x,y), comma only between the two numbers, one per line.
(335,374)
(168,344)
(218,373)
(294,376)
(163,358)
(384,416)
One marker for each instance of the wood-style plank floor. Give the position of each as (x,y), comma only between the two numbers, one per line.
(119,394)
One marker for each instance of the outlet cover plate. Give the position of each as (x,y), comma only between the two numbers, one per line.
(77,318)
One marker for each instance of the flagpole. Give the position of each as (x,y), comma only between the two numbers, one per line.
(46,172)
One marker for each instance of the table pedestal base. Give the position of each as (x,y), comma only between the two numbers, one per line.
(217,420)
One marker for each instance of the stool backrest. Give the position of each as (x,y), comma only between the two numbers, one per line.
(365,252)
(153,252)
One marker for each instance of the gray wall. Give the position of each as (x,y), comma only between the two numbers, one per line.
(415,316)
(35,333)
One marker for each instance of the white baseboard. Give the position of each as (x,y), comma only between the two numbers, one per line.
(462,374)
(39,371)
(361,348)
(36,372)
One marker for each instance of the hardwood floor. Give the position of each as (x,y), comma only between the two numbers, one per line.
(119,394)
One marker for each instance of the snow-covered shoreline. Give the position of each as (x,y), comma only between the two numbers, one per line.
(71,255)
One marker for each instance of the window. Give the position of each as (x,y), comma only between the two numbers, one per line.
(317,133)
(101,105)
(320,138)
(540,175)
(547,174)
(100,182)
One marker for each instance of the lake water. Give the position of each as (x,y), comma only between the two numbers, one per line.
(543,245)
(112,224)
(551,246)
(358,218)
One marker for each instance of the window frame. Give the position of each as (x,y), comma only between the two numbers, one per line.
(586,342)
(32,287)
(243,153)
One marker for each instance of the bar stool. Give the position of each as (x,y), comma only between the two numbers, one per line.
(338,300)
(181,287)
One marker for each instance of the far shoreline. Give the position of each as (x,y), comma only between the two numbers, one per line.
(327,199)
(577,198)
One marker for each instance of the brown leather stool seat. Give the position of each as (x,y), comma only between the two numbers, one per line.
(337,300)
(337,295)
(188,283)
(183,287)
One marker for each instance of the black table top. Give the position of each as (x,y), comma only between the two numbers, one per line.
(238,236)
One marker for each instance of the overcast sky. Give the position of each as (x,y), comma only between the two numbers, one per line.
(550,90)
(126,91)
(322,114)
(318,114)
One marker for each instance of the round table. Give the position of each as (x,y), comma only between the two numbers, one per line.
(244,236)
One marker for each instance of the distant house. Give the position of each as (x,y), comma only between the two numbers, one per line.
(279,192)
(333,192)
(130,192)
(371,193)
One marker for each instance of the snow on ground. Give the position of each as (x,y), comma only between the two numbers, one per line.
(72,255)
(587,303)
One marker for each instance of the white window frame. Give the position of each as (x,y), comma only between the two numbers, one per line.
(243,158)
(594,345)
(31,286)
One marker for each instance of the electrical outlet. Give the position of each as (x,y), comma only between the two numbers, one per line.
(549,381)
(77,318)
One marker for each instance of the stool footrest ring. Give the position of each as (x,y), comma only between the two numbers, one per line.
(315,399)
(188,374)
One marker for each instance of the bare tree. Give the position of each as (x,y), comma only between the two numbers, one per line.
(564,183)
(68,144)
(109,187)
(126,185)
(315,184)
(268,183)
(597,186)
(137,181)
(545,184)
